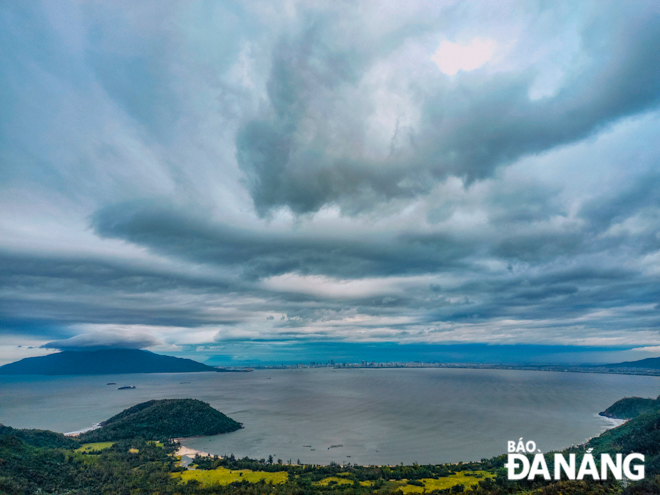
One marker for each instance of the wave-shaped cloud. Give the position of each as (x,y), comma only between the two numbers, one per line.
(107,339)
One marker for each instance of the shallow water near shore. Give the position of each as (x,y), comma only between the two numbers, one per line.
(361,416)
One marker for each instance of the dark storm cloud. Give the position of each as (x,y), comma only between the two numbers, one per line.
(11,324)
(466,131)
(538,246)
(46,294)
(96,309)
(639,199)
(556,298)
(172,231)
(55,273)
(552,293)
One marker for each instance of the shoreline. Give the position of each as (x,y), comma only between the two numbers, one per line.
(190,452)
(183,450)
(77,433)
(614,421)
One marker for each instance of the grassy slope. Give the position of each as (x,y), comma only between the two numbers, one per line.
(94,447)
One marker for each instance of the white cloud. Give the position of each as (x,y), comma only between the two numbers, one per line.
(117,338)
(453,57)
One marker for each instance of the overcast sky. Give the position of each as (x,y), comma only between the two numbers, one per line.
(264,181)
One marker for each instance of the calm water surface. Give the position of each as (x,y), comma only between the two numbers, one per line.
(383,416)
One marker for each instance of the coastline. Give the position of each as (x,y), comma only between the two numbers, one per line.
(190,452)
(77,433)
(267,433)
(187,451)
(614,421)
(183,450)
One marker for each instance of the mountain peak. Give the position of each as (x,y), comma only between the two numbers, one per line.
(101,362)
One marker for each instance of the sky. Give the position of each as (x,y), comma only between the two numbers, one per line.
(265,181)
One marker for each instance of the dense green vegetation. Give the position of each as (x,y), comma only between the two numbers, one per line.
(36,461)
(631,407)
(641,434)
(25,469)
(163,419)
(40,438)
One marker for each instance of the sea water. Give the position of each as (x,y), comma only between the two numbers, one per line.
(361,416)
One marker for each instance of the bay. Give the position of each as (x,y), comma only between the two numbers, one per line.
(361,416)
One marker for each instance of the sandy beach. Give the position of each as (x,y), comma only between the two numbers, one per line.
(190,452)
(79,432)
(183,450)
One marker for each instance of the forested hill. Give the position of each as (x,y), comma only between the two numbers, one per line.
(162,419)
(40,438)
(631,407)
(102,362)
(640,434)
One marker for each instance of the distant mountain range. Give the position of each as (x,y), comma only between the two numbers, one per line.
(116,361)
(103,362)
(649,363)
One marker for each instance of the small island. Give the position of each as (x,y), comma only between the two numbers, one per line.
(161,420)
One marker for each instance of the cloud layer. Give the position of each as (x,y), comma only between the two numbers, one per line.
(233,175)
(108,339)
